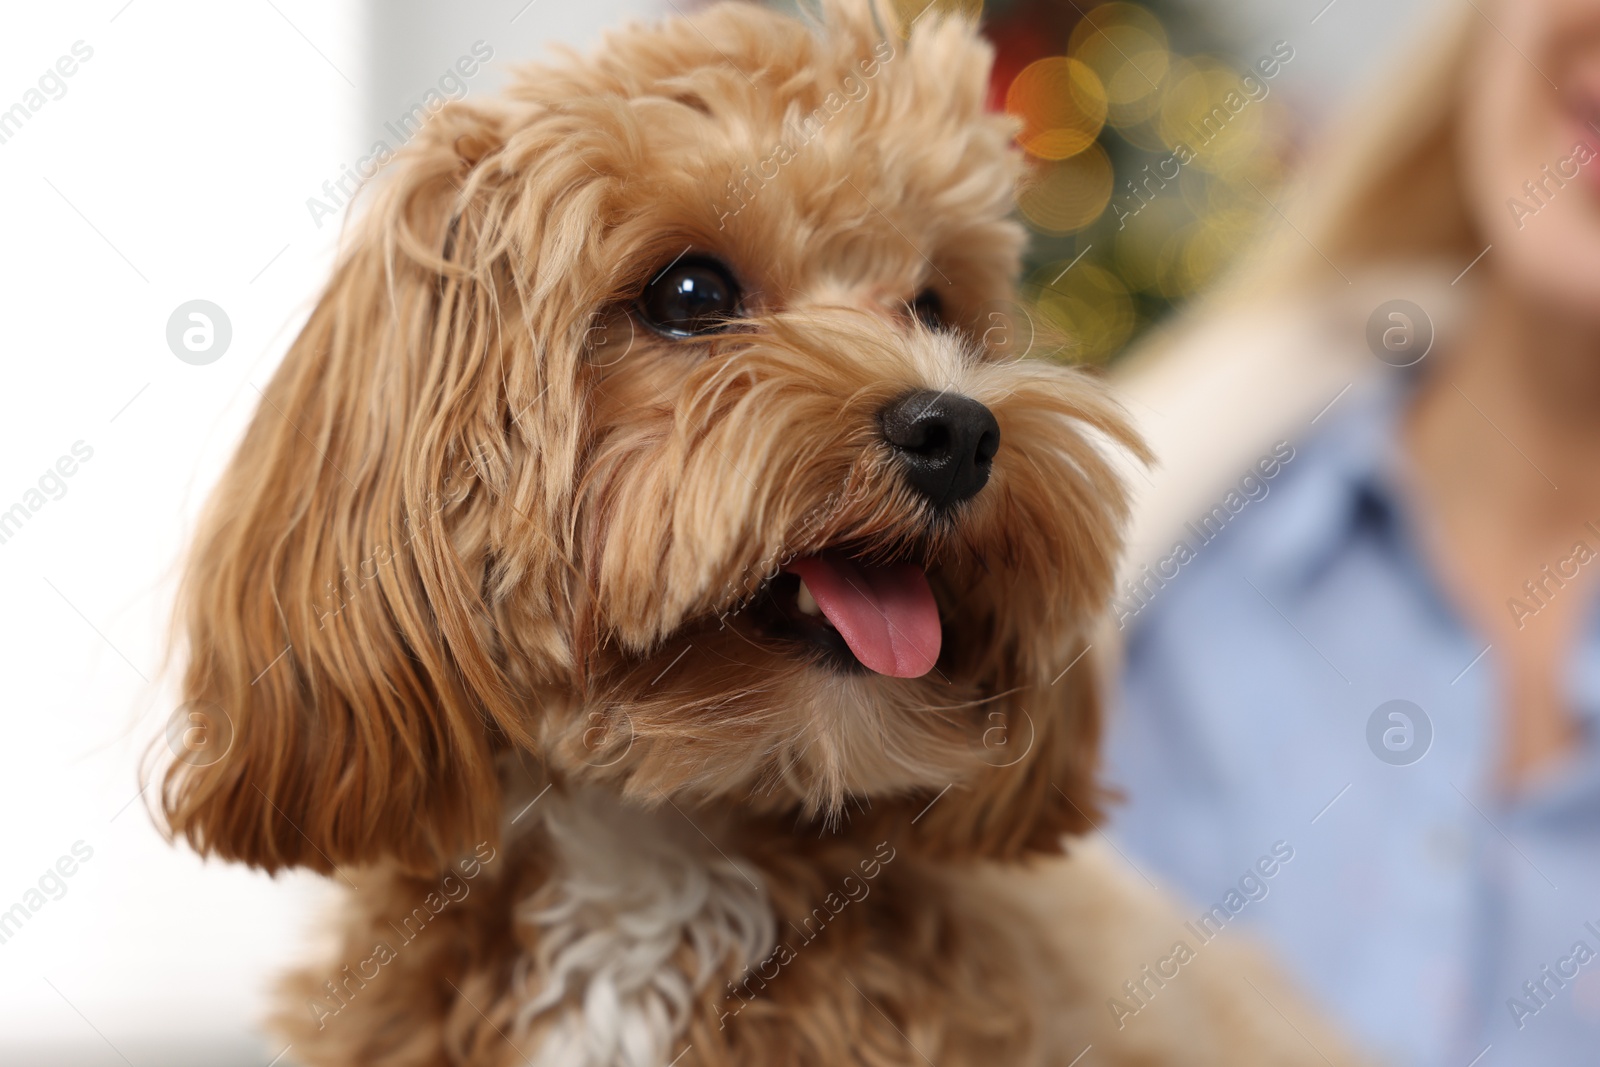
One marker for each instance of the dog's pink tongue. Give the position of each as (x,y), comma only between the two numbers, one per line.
(885,614)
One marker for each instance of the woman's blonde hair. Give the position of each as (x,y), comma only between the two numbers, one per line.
(1384,189)
(1379,211)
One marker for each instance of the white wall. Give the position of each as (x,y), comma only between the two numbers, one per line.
(412,42)
(176,165)
(1338,45)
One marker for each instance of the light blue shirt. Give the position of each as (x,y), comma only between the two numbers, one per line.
(1430,916)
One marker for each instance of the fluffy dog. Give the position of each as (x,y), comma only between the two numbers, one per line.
(651,586)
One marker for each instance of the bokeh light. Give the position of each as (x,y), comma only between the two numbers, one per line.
(1207,107)
(1062,105)
(1151,160)
(1087,305)
(1064,196)
(1126,47)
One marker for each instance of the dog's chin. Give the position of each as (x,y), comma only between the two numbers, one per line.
(847,673)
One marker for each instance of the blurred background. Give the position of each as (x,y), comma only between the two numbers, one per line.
(197,152)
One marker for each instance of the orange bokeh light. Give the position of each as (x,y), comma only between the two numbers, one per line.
(1062,105)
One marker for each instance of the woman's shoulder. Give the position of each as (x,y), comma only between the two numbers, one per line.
(1216,395)
(1282,516)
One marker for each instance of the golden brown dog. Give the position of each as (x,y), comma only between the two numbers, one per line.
(652,585)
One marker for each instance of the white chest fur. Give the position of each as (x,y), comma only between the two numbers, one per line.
(640,913)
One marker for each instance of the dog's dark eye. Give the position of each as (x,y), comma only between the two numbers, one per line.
(692,296)
(928,309)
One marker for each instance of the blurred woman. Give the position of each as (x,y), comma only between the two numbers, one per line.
(1361,622)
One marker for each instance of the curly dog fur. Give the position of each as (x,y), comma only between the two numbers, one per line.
(518,545)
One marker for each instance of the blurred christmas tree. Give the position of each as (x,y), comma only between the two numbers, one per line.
(1152,158)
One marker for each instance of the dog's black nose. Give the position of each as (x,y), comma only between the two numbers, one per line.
(945,443)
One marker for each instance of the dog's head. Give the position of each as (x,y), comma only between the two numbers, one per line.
(659,430)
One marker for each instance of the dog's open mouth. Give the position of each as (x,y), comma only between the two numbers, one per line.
(879,616)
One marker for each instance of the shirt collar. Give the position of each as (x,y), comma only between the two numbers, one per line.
(1345,479)
(1348,481)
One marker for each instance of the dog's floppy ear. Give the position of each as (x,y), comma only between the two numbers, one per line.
(335,610)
